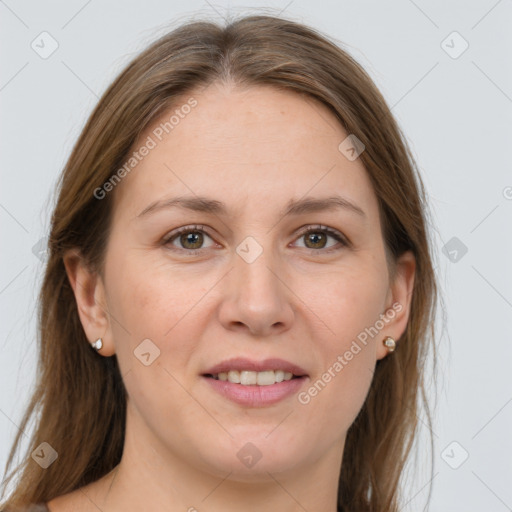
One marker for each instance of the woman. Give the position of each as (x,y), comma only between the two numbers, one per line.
(239,297)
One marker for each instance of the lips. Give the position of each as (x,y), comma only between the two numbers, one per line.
(237,380)
(243,364)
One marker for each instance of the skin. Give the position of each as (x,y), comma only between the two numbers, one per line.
(254,149)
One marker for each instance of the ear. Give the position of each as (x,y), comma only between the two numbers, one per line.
(398,301)
(90,297)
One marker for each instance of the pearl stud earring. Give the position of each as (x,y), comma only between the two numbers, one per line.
(97,344)
(390,343)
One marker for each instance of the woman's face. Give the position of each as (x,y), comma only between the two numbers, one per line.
(244,280)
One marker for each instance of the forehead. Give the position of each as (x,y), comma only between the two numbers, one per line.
(247,147)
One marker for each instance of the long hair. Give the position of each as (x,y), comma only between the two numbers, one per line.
(79,400)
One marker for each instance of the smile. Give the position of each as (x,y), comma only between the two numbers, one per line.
(251,378)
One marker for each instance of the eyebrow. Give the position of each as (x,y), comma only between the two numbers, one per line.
(294,207)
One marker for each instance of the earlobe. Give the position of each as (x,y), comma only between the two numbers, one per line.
(399,302)
(89,291)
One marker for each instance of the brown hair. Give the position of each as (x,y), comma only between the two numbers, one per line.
(80,398)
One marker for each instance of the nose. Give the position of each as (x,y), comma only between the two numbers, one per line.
(256,297)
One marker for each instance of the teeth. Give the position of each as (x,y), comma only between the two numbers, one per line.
(234,376)
(279,375)
(249,378)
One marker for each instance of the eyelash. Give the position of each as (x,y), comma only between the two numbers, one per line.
(310,229)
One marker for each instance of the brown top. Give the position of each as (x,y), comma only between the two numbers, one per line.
(39,507)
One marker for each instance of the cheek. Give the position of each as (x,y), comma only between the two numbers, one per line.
(351,301)
(153,336)
(152,298)
(155,332)
(350,306)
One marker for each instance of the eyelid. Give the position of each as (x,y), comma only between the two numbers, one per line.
(185,229)
(321,227)
(334,233)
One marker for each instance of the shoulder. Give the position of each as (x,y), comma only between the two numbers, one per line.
(36,507)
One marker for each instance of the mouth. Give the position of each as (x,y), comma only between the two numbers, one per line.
(253,378)
(250,372)
(252,383)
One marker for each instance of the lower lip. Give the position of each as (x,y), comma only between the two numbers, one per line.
(256,396)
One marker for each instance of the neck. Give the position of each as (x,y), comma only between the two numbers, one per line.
(156,479)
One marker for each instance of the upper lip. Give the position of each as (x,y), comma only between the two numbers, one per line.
(241,363)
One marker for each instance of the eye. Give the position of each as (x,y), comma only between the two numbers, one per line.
(189,238)
(316,238)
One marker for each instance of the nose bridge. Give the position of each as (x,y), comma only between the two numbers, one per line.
(257,297)
(257,283)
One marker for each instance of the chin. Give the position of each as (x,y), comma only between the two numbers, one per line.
(250,458)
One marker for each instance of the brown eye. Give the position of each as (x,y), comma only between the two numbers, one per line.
(194,238)
(316,239)
(187,239)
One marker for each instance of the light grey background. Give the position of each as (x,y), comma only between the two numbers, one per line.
(456,113)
